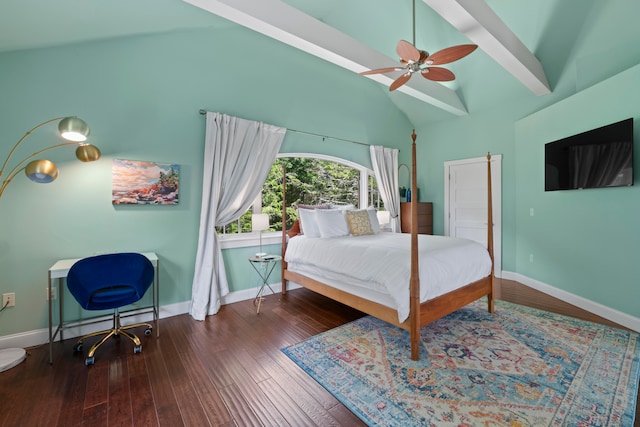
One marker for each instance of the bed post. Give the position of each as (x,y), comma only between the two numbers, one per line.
(284,226)
(490,231)
(414,281)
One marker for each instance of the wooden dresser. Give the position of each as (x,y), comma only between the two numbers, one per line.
(425,217)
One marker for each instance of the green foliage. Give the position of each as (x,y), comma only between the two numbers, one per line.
(309,181)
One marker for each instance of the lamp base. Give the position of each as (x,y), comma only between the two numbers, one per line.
(10,357)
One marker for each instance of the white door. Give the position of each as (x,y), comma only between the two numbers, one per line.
(466,202)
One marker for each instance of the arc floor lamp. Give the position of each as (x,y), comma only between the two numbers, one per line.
(75,132)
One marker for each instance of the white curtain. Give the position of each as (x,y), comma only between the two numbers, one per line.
(385,166)
(238,155)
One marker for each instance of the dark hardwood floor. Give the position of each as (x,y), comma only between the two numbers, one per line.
(225,371)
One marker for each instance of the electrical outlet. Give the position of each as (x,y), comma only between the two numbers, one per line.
(54,293)
(530,257)
(9,300)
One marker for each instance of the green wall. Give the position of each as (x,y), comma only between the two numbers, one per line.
(141,97)
(583,241)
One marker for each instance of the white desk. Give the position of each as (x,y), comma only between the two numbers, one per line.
(60,270)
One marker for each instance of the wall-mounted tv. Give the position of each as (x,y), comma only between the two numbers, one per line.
(601,157)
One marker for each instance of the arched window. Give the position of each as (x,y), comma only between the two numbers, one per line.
(311,179)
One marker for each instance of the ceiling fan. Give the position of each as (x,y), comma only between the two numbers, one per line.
(420,61)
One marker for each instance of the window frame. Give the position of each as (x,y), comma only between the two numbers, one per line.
(248,239)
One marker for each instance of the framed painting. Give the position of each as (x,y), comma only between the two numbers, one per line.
(144,183)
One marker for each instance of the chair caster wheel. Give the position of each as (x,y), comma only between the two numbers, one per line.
(137,349)
(78,347)
(148,332)
(89,361)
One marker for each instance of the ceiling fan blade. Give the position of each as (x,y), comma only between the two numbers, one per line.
(450,54)
(407,51)
(399,81)
(380,71)
(438,74)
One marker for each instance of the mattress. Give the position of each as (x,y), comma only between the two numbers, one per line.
(378,267)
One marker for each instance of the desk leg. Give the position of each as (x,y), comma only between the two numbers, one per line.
(50,324)
(61,307)
(156,300)
(60,317)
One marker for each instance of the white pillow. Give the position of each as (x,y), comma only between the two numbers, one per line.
(309,222)
(373,218)
(331,223)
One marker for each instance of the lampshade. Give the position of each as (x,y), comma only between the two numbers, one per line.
(384,217)
(88,153)
(73,129)
(259,222)
(41,171)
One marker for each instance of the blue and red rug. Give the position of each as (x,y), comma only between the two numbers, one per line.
(518,367)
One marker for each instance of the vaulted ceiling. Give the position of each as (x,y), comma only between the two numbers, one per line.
(473,18)
(356,35)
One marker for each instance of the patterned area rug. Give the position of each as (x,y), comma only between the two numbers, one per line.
(518,367)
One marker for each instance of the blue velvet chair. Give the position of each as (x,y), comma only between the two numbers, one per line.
(110,281)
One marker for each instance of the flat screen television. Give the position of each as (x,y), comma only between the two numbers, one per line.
(601,157)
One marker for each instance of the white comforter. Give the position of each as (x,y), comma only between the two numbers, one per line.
(382,262)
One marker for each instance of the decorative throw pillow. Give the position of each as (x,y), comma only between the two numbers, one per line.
(331,223)
(321,206)
(359,222)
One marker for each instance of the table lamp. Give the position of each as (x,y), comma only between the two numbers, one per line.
(260,222)
(384,218)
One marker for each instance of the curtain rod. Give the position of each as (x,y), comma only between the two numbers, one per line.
(204,112)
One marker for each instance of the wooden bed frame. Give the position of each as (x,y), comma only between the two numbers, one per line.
(420,314)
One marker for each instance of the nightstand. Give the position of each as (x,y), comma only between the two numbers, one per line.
(425,217)
(264,266)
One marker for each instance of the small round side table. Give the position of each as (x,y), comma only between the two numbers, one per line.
(264,266)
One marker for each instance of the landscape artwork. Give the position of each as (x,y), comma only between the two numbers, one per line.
(144,183)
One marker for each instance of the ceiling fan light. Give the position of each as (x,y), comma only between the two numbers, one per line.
(73,129)
(41,171)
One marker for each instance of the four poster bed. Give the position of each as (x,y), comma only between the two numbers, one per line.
(381,274)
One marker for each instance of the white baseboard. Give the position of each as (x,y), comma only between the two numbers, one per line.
(25,339)
(41,336)
(608,313)
(247,294)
